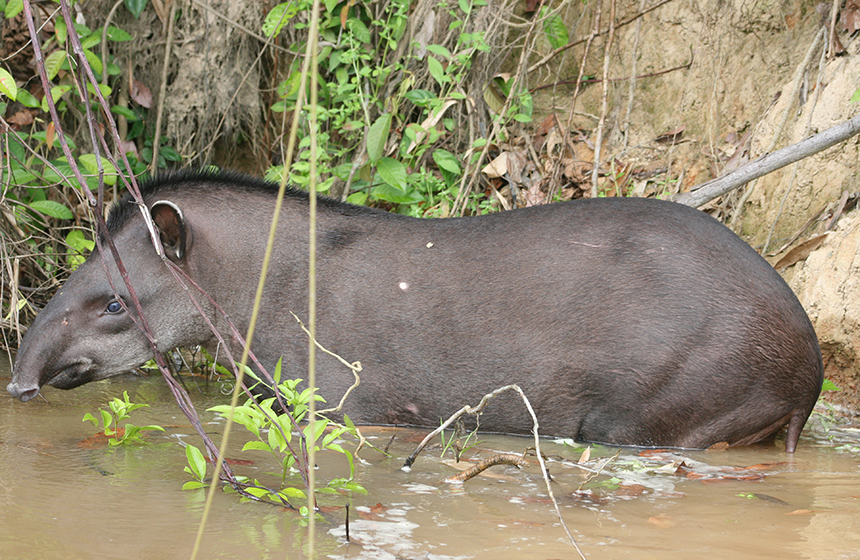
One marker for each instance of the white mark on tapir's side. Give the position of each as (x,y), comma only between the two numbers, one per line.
(404,286)
(429,244)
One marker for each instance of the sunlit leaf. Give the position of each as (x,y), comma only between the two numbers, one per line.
(117,34)
(278,17)
(377,137)
(437,71)
(52,208)
(8,85)
(91,165)
(392,172)
(196,461)
(13,8)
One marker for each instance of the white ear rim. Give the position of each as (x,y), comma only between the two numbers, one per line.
(178,210)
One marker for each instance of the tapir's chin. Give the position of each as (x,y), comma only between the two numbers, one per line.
(73,375)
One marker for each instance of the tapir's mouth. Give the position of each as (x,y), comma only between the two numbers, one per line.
(73,375)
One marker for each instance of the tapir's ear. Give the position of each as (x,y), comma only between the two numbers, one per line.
(172,228)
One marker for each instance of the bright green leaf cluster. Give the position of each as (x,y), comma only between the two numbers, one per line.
(120,409)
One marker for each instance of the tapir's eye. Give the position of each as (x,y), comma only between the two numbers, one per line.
(113,307)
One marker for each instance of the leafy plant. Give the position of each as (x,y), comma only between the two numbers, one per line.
(385,140)
(196,468)
(120,409)
(274,434)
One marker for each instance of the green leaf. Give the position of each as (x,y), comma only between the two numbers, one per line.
(465,6)
(135,7)
(117,34)
(392,172)
(420,97)
(437,71)
(52,209)
(57,92)
(447,161)
(8,85)
(89,162)
(290,492)
(439,50)
(26,99)
(103,88)
(95,62)
(196,461)
(54,62)
(278,17)
(257,446)
(359,30)
(92,419)
(194,485)
(13,8)
(124,112)
(555,30)
(60,30)
(830,386)
(106,420)
(377,136)
(395,195)
(80,245)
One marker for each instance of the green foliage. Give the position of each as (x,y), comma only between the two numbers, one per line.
(274,435)
(369,102)
(120,409)
(196,468)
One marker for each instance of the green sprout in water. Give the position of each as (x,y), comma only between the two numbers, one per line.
(120,410)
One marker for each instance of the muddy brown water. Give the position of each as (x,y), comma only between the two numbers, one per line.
(61,499)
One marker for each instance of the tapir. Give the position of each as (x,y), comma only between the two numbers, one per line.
(625,321)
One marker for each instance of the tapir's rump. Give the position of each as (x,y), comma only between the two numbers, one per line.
(624,321)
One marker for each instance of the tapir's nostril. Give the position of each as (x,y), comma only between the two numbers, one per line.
(23,393)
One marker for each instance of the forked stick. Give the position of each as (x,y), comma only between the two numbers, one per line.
(475,410)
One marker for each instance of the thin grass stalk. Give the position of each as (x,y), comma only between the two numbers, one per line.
(312,54)
(256,309)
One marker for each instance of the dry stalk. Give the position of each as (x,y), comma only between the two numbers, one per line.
(355,367)
(789,104)
(596,473)
(162,90)
(407,465)
(607,51)
(572,44)
(821,62)
(631,85)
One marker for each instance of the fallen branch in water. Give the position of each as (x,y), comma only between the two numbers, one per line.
(478,468)
(475,410)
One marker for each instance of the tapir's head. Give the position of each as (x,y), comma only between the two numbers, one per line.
(85,333)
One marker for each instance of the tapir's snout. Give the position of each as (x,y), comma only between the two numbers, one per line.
(25,392)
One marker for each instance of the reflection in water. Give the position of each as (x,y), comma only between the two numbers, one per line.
(59,500)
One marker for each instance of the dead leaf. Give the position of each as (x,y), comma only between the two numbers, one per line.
(850,16)
(800,252)
(770,499)
(22,118)
(662,521)
(801,512)
(49,135)
(719,446)
(586,455)
(498,167)
(141,94)
(838,212)
(671,137)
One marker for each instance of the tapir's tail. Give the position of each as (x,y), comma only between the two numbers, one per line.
(795,425)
